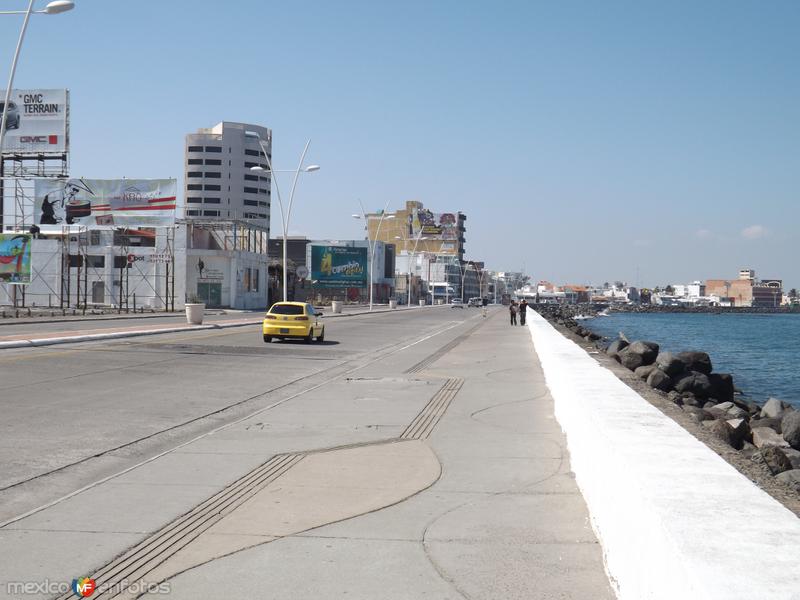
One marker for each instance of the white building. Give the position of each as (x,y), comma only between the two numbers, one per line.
(219,179)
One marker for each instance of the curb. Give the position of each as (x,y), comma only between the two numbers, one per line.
(39,342)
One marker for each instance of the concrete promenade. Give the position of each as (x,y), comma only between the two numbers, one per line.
(415,455)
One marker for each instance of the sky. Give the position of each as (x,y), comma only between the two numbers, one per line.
(649,142)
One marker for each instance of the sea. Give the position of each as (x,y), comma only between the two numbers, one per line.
(762,351)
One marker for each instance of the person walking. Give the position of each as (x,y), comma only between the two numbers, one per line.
(523,307)
(512,309)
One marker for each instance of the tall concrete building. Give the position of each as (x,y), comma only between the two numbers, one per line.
(219,182)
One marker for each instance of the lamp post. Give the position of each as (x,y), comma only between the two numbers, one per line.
(372,243)
(418,239)
(53,8)
(285,215)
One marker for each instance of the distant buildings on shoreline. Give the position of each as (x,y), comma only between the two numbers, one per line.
(742,291)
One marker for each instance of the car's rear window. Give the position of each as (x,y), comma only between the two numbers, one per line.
(286,309)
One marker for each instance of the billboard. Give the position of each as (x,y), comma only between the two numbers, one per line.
(128,203)
(15,258)
(37,121)
(338,266)
(442,226)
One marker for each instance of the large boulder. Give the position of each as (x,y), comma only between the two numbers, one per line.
(670,364)
(721,430)
(638,354)
(790,478)
(740,432)
(659,380)
(697,414)
(772,409)
(764,437)
(774,424)
(721,386)
(696,361)
(776,460)
(720,411)
(644,371)
(693,382)
(790,426)
(793,456)
(616,347)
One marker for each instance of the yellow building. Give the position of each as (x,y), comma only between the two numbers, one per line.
(438,233)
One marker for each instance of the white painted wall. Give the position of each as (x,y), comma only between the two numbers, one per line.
(675,520)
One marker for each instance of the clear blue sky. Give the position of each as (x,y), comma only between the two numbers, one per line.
(587,141)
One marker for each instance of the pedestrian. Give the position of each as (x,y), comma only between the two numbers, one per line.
(523,307)
(512,309)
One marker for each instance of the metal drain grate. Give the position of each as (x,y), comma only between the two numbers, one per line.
(425,422)
(136,563)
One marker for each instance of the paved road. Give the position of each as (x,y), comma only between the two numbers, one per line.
(414,454)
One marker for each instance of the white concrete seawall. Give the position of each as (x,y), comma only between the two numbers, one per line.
(675,520)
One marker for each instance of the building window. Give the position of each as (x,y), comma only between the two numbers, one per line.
(98,262)
(211,200)
(194,186)
(264,178)
(262,191)
(193,213)
(260,203)
(94,238)
(213,148)
(261,216)
(248,165)
(250,190)
(210,213)
(252,153)
(213,175)
(195,161)
(195,148)
(251,177)
(213,188)
(213,161)
(250,203)
(194,200)
(194,174)
(250,282)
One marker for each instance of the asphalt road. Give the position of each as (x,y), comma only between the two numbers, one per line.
(79,412)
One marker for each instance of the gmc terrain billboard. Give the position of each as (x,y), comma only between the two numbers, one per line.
(36,121)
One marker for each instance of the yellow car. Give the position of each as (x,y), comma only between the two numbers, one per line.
(297,320)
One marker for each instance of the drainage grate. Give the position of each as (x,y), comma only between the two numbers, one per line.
(428,361)
(136,563)
(425,422)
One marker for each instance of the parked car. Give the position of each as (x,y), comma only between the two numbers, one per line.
(456,303)
(12,120)
(475,302)
(298,320)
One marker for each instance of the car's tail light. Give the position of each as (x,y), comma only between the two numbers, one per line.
(301,318)
(271,317)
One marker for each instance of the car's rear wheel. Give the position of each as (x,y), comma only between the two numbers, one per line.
(321,337)
(267,339)
(310,337)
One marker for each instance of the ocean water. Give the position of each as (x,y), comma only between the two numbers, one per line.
(761,351)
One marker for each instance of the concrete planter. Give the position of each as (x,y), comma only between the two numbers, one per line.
(194,313)
(422,302)
(392,303)
(336,307)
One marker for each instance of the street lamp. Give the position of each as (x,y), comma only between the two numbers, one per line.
(53,8)
(418,239)
(372,243)
(285,215)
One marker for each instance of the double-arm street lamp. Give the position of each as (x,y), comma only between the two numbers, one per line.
(285,214)
(417,240)
(372,242)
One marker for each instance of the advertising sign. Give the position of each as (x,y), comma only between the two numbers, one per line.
(37,121)
(15,258)
(337,266)
(128,203)
(434,225)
